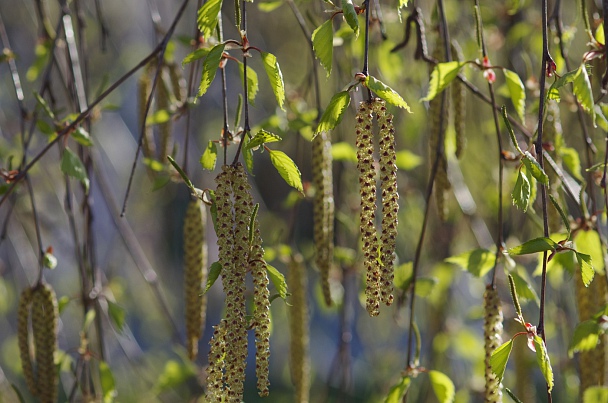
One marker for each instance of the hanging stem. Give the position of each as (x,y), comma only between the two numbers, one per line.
(366,55)
(246,127)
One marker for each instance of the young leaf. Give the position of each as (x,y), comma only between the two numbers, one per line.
(108,383)
(517,92)
(534,168)
(513,290)
(572,161)
(82,137)
(562,214)
(247,155)
(117,315)
(350,15)
(582,90)
(477,262)
(588,242)
(505,117)
(208,17)
(181,173)
(521,192)
(275,76)
(442,386)
(587,271)
(158,117)
(443,74)
(196,55)
(72,166)
(533,246)
(499,359)
(214,272)
(323,45)
(210,66)
(287,169)
(252,82)
(595,394)
(45,106)
(385,92)
(278,279)
(395,395)
(542,357)
(334,112)
(524,289)
(209,157)
(262,137)
(585,337)
(567,78)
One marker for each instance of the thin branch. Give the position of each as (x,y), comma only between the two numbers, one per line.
(366,55)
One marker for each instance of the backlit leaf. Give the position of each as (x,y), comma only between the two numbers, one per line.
(521,192)
(582,90)
(395,395)
(275,76)
(208,17)
(196,55)
(117,315)
(587,271)
(585,337)
(534,168)
(252,82)
(334,112)
(262,137)
(407,160)
(542,358)
(442,386)
(210,66)
(596,394)
(350,15)
(385,92)
(499,359)
(477,262)
(517,92)
(343,151)
(287,169)
(209,157)
(443,74)
(534,246)
(214,272)
(73,167)
(278,279)
(323,44)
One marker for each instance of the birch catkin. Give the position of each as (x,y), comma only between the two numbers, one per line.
(23,317)
(492,330)
(195,259)
(367,190)
(217,363)
(323,209)
(144,89)
(459,105)
(298,329)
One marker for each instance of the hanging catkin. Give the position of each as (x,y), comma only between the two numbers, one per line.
(492,331)
(367,190)
(163,103)
(144,88)
(459,105)
(323,209)
(298,328)
(195,259)
(217,364)
(390,198)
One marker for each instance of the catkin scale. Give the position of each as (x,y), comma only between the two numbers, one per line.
(367,191)
(217,360)
(298,329)
(23,316)
(492,330)
(323,209)
(195,258)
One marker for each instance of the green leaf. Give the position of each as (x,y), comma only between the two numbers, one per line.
(82,137)
(534,168)
(505,118)
(334,112)
(395,395)
(521,192)
(534,246)
(45,106)
(442,386)
(278,279)
(117,315)
(62,303)
(517,92)
(208,17)
(499,359)
(287,169)
(273,71)
(343,151)
(582,90)
(596,394)
(587,271)
(42,51)
(252,83)
(154,165)
(385,92)
(108,383)
(247,154)
(181,173)
(210,66)
(542,358)
(214,272)
(323,44)
(209,157)
(196,55)
(403,276)
(524,289)
(73,167)
(571,161)
(588,242)
(407,160)
(425,285)
(565,79)
(477,262)
(49,260)
(158,117)
(586,336)
(350,15)
(599,34)
(262,137)
(443,74)
(562,214)
(174,374)
(88,320)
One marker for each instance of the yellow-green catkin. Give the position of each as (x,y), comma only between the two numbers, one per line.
(23,317)
(390,198)
(367,189)
(323,209)
(195,274)
(178,83)
(217,362)
(44,328)
(257,265)
(492,330)
(459,106)
(298,329)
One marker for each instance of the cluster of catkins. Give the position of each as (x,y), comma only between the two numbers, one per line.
(240,250)
(379,252)
(492,332)
(39,305)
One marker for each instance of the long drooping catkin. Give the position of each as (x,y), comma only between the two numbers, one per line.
(163,102)
(459,105)
(195,274)
(217,363)
(144,88)
(261,295)
(44,326)
(367,189)
(298,327)
(23,317)
(390,199)
(323,209)
(492,331)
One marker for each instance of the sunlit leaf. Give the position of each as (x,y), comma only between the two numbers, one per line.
(442,386)
(517,92)
(278,280)
(542,358)
(117,315)
(582,90)
(287,169)
(158,117)
(571,161)
(586,336)
(108,383)
(397,391)
(565,79)
(521,192)
(181,172)
(82,137)
(525,291)
(196,55)
(208,17)
(588,242)
(403,276)
(587,271)
(385,92)
(210,66)
(478,262)
(499,359)
(262,137)
(334,112)
(599,34)
(72,166)
(214,272)
(209,157)
(252,82)
(323,44)
(350,15)
(534,246)
(534,168)
(275,76)
(443,74)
